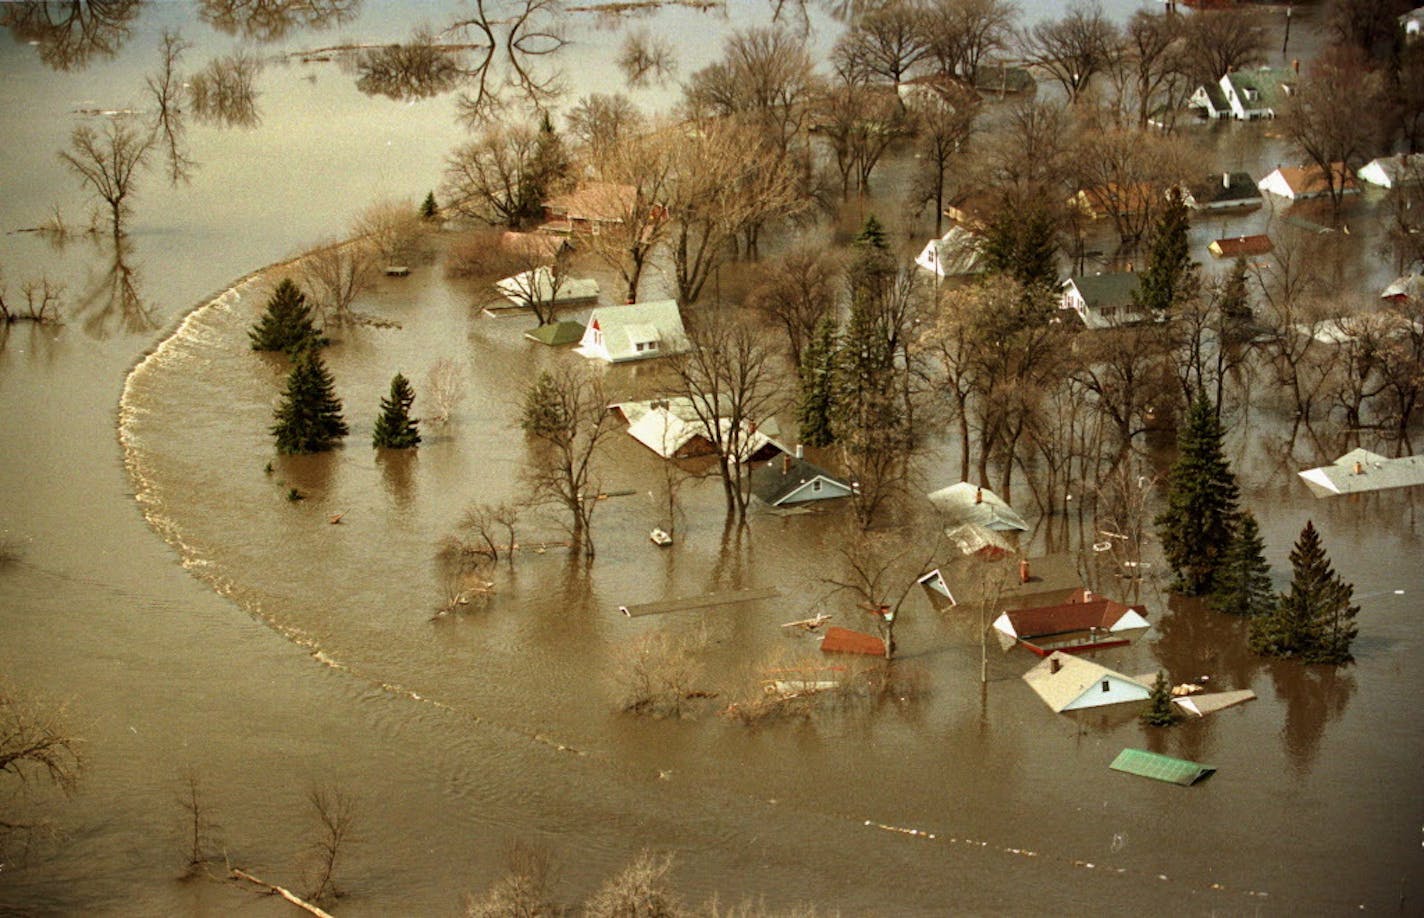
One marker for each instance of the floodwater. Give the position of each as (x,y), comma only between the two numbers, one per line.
(197,619)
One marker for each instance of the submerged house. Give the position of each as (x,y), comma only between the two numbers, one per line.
(1083,620)
(1224,191)
(1404,289)
(1392,171)
(1245,95)
(967,503)
(1297,183)
(957,253)
(1236,246)
(1103,300)
(672,428)
(542,285)
(796,481)
(638,331)
(1069,683)
(590,208)
(1360,470)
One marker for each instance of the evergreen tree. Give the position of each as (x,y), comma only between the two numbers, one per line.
(1160,711)
(287,324)
(429,210)
(1235,300)
(1023,244)
(395,428)
(1199,522)
(1314,620)
(872,236)
(548,170)
(309,415)
(1243,585)
(1170,278)
(543,408)
(818,378)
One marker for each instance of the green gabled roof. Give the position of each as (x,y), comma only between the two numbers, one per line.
(1113,289)
(1268,82)
(1160,767)
(556,334)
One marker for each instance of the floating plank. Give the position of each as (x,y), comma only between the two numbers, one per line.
(698,602)
(1160,767)
(1202,705)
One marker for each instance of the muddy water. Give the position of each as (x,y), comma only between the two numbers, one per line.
(268,649)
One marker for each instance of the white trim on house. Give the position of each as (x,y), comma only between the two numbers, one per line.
(638,331)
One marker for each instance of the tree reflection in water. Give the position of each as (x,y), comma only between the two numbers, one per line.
(114,303)
(416,70)
(223,94)
(69,35)
(1313,695)
(271,20)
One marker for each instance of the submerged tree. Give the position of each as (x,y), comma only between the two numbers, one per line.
(1200,520)
(287,324)
(309,415)
(1170,279)
(1315,619)
(1243,584)
(817,371)
(108,165)
(395,428)
(35,742)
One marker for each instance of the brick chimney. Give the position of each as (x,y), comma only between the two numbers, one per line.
(1023,570)
(1054,664)
(978,495)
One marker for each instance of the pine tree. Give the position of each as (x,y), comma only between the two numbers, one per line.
(1314,620)
(1160,711)
(1170,278)
(547,171)
(287,323)
(395,428)
(309,415)
(1200,520)
(818,378)
(543,408)
(1243,585)
(1023,245)
(429,210)
(1235,300)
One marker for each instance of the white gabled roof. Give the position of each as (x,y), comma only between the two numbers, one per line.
(665,426)
(1376,474)
(957,252)
(538,285)
(968,503)
(624,327)
(1388,171)
(1077,683)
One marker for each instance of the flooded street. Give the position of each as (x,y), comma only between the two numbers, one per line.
(196,619)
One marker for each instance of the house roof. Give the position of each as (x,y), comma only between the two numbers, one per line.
(538,285)
(666,426)
(1042,621)
(1307,180)
(556,334)
(968,503)
(604,202)
(1210,703)
(1113,198)
(778,480)
(1395,170)
(1376,474)
(995,578)
(540,246)
(972,209)
(1114,289)
(1269,83)
(957,252)
(623,327)
(1061,679)
(1226,188)
(843,640)
(1407,287)
(1160,767)
(1233,246)
(1215,97)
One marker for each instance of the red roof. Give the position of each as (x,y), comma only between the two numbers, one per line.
(843,640)
(1072,616)
(1241,245)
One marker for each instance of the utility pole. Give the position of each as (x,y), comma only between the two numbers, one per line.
(1286,43)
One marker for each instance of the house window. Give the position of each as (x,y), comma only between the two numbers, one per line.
(1107,686)
(816,485)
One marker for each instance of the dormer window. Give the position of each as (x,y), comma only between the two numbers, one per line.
(1251,94)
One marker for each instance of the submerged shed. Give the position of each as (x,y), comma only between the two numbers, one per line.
(968,503)
(1360,470)
(543,285)
(1160,767)
(556,334)
(844,640)
(1069,683)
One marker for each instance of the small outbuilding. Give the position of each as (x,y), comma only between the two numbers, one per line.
(638,331)
(1160,767)
(793,480)
(1405,289)
(957,253)
(542,285)
(1360,470)
(1069,683)
(1238,246)
(556,334)
(1393,171)
(1297,183)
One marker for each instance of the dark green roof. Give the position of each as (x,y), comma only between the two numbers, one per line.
(1160,767)
(1099,290)
(556,334)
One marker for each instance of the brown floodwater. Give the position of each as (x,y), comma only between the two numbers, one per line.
(196,618)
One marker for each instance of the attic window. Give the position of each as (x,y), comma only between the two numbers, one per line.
(647,346)
(1251,94)
(1107,686)
(816,485)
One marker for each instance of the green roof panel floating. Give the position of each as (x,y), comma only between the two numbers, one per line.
(1160,767)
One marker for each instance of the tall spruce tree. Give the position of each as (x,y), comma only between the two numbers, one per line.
(395,428)
(429,210)
(1200,520)
(1160,712)
(816,407)
(1170,277)
(287,324)
(1023,244)
(543,409)
(1315,619)
(309,415)
(1243,585)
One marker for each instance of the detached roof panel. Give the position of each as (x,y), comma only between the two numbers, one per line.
(1160,767)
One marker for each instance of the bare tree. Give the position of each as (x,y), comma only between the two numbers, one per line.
(879,570)
(523,891)
(270,20)
(108,165)
(1150,68)
(944,122)
(445,387)
(335,274)
(729,378)
(225,91)
(1333,117)
(1127,372)
(796,290)
(488,529)
(1125,175)
(599,122)
(527,32)
(639,889)
(646,58)
(567,420)
(1220,41)
(860,123)
(166,88)
(393,228)
(335,813)
(36,742)
(70,35)
(418,69)
(643,167)
(198,825)
(1073,49)
(43,299)
(886,42)
(962,34)
(115,302)
(1401,364)
(491,177)
(658,675)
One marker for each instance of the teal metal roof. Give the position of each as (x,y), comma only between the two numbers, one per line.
(1160,767)
(557,333)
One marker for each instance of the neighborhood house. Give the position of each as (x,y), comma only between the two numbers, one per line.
(638,331)
(1245,94)
(1069,683)
(1103,300)
(796,481)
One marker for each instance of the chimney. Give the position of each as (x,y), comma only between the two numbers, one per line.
(978,495)
(1054,664)
(1226,180)
(785,464)
(800,451)
(1023,570)
(1359,468)
(1087,595)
